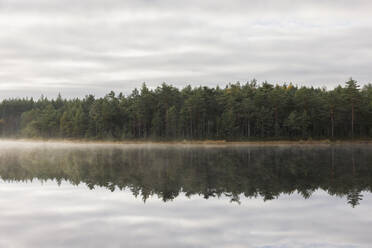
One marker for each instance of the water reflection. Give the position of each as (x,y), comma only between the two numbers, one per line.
(168,171)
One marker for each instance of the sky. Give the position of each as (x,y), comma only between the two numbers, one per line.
(94,46)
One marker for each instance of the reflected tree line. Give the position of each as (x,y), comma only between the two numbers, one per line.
(167,172)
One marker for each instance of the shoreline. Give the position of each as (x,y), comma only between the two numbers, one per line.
(189,142)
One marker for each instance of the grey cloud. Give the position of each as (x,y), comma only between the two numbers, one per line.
(82,47)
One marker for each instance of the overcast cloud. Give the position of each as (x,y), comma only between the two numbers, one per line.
(93,46)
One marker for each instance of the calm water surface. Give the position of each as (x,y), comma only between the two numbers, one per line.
(66,195)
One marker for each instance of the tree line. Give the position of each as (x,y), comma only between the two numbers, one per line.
(238,111)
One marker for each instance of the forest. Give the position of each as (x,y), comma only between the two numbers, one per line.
(250,111)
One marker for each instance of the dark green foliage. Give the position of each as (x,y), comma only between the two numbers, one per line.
(237,112)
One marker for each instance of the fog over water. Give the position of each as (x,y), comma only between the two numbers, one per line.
(93,195)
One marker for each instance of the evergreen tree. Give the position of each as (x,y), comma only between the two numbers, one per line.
(236,112)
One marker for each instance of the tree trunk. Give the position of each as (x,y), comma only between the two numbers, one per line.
(332,122)
(249,129)
(352,121)
(276,122)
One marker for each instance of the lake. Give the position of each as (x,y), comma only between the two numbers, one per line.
(156,195)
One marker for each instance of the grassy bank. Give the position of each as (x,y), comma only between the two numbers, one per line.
(195,142)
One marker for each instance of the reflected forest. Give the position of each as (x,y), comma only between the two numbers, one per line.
(248,111)
(168,171)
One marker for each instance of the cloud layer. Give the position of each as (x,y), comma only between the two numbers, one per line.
(82,47)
